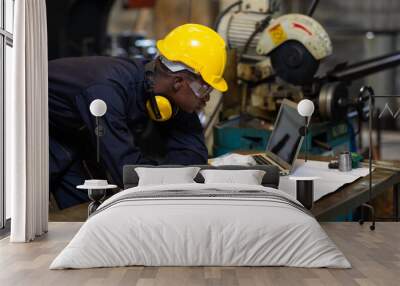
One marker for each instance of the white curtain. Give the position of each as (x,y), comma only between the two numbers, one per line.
(26,147)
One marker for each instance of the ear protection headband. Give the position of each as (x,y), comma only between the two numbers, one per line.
(158,107)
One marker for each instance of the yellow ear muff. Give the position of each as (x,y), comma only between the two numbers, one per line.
(164,106)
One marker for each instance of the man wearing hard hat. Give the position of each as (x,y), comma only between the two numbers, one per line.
(164,93)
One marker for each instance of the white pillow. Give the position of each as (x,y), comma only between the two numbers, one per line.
(248,177)
(163,176)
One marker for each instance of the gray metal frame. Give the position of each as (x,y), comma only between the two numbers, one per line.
(6,39)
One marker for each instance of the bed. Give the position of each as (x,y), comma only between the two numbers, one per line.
(198,224)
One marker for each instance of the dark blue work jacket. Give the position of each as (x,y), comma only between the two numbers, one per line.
(75,82)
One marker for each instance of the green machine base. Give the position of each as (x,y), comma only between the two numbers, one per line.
(253,134)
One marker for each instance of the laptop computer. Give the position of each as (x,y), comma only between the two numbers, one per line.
(285,140)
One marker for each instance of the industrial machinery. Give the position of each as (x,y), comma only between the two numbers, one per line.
(271,57)
(276,57)
(72,34)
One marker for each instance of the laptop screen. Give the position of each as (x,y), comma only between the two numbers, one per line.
(285,138)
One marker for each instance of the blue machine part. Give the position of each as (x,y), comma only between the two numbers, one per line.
(234,135)
(231,136)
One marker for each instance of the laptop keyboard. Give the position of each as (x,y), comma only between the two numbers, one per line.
(261,160)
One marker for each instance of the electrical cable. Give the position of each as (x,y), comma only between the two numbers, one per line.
(224,12)
(264,23)
(312,8)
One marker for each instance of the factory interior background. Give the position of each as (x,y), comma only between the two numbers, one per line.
(366,30)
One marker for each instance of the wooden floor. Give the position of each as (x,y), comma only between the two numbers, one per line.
(375,257)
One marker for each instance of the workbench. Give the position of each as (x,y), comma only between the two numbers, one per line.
(353,195)
(348,197)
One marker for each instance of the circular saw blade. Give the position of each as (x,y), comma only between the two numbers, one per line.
(293,63)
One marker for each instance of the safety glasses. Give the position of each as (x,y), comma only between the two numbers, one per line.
(200,89)
(198,86)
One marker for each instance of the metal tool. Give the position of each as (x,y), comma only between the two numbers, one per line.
(345,161)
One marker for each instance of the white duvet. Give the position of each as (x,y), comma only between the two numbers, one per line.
(188,231)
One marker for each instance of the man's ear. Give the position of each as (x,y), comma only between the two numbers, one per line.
(178,82)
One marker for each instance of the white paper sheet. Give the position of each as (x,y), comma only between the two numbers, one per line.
(330,179)
(233,159)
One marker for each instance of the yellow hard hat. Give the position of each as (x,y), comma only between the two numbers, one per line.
(200,48)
